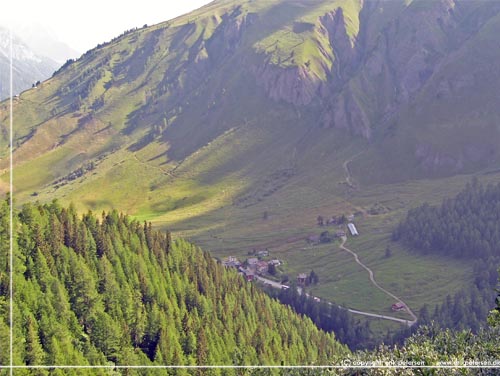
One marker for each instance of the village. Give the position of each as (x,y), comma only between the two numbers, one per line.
(261,266)
(339,223)
(255,265)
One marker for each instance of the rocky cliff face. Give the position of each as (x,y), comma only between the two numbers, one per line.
(416,77)
(296,85)
(393,66)
(346,50)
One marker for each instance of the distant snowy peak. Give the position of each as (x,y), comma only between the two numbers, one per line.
(44,41)
(20,51)
(28,66)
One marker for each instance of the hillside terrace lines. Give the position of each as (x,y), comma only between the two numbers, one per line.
(153,166)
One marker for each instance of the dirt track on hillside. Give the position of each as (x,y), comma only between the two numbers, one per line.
(375,283)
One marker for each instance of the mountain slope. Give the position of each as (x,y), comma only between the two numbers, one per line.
(112,291)
(262,70)
(238,124)
(28,66)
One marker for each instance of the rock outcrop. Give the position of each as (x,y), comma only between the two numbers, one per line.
(296,85)
(388,72)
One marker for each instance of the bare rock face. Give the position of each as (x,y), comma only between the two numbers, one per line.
(227,37)
(343,111)
(346,113)
(296,85)
(300,86)
(432,159)
(413,51)
(345,52)
(233,29)
(402,59)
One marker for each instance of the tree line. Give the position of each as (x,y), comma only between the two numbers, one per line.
(95,290)
(328,317)
(467,225)
(109,290)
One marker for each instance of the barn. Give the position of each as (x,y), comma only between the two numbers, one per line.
(352,229)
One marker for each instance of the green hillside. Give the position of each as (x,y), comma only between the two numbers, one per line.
(237,125)
(241,90)
(109,290)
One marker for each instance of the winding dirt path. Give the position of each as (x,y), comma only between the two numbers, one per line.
(375,283)
(348,175)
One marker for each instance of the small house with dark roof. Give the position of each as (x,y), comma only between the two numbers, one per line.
(301,278)
(263,253)
(249,275)
(262,267)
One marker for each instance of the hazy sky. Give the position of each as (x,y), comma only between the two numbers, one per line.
(85,23)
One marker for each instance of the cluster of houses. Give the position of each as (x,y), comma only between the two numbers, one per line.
(252,266)
(326,237)
(333,220)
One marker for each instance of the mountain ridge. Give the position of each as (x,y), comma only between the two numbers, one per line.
(332,80)
(235,67)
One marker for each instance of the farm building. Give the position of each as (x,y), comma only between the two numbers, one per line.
(301,278)
(249,275)
(275,262)
(398,306)
(352,229)
(252,261)
(231,262)
(263,253)
(262,267)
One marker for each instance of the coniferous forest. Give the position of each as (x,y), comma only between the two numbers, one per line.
(110,290)
(467,227)
(328,317)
